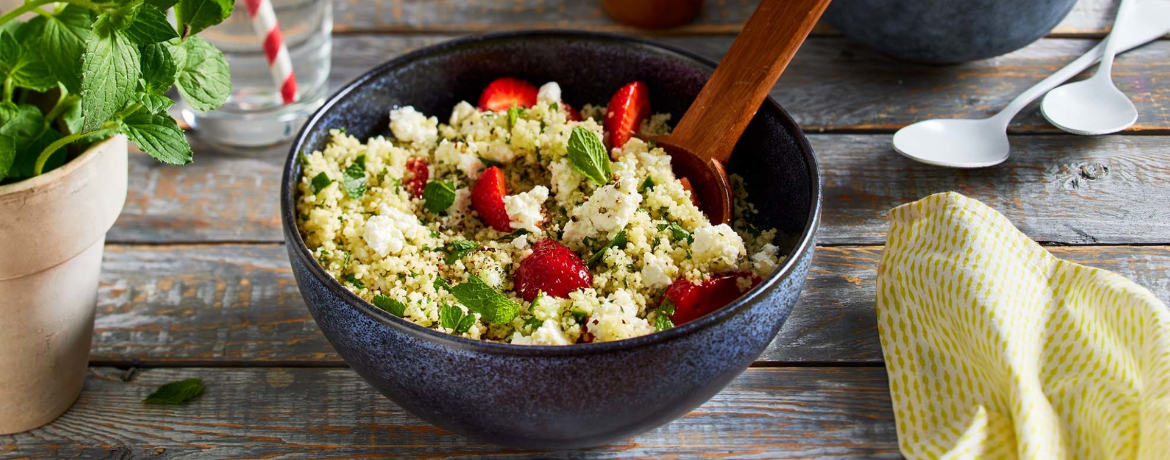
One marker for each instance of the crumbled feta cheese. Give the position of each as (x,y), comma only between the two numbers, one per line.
(655,270)
(606,212)
(387,232)
(718,245)
(549,92)
(616,318)
(565,179)
(408,125)
(462,204)
(520,242)
(460,156)
(497,151)
(462,111)
(525,210)
(765,261)
(549,333)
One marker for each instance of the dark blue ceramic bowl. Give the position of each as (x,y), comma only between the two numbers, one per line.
(545,396)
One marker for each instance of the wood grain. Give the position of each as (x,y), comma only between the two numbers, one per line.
(330,413)
(1088,17)
(239,305)
(1061,188)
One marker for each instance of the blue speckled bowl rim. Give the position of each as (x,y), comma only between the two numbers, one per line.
(293,235)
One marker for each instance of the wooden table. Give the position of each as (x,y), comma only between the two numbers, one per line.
(196,283)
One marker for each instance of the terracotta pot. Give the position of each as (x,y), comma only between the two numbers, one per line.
(51,237)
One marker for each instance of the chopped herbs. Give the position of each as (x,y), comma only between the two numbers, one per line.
(319,182)
(533,323)
(514,114)
(392,306)
(588,156)
(646,185)
(618,241)
(458,249)
(354,281)
(481,298)
(355,178)
(453,317)
(662,315)
(439,196)
(174,393)
(680,234)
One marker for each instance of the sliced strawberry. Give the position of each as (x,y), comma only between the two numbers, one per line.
(570,113)
(487,198)
(418,172)
(625,112)
(553,269)
(692,300)
(686,183)
(503,93)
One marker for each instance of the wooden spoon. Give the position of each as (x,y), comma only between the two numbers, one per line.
(702,142)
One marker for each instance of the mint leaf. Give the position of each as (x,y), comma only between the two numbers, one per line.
(355,178)
(662,320)
(159,136)
(441,284)
(162,4)
(203,77)
(465,324)
(176,392)
(438,196)
(155,103)
(109,75)
(618,241)
(319,182)
(158,69)
(7,154)
(514,114)
(680,233)
(481,298)
(60,40)
(392,306)
(195,15)
(588,156)
(354,281)
(452,317)
(458,249)
(646,185)
(515,234)
(150,26)
(23,66)
(24,123)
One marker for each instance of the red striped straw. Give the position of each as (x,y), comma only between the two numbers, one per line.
(266,27)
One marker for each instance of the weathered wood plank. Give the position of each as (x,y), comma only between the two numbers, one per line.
(225,304)
(330,413)
(1088,17)
(1062,188)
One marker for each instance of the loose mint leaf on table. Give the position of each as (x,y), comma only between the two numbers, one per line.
(319,182)
(203,79)
(109,74)
(60,40)
(392,306)
(618,241)
(150,26)
(355,178)
(588,156)
(159,136)
(7,154)
(481,298)
(438,196)
(195,15)
(175,393)
(458,249)
(158,69)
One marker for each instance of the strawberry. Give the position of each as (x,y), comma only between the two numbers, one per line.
(487,198)
(553,269)
(503,93)
(686,183)
(625,112)
(417,174)
(692,300)
(571,114)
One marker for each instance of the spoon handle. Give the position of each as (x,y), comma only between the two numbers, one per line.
(729,100)
(1111,40)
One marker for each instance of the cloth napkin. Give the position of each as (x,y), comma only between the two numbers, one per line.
(996,349)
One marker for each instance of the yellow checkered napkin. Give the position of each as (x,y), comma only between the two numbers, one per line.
(996,349)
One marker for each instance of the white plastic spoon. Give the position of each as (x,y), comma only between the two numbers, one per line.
(1095,106)
(968,143)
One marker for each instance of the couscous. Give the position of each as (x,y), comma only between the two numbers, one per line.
(512,221)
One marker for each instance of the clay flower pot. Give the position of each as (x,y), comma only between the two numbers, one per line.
(51,237)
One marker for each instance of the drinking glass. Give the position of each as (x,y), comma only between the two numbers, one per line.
(254,115)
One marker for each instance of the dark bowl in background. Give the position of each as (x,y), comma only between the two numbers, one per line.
(946,31)
(547,396)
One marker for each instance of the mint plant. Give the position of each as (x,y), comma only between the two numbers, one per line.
(80,71)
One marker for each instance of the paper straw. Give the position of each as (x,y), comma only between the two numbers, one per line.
(279,64)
